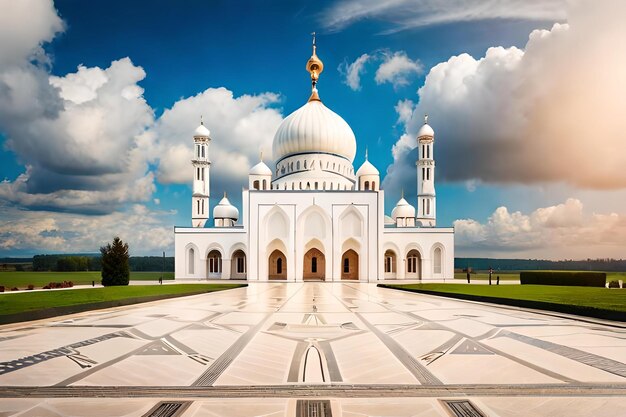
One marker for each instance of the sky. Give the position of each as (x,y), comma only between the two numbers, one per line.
(99,101)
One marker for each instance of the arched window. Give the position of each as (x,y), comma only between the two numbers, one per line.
(316,185)
(427,173)
(304,164)
(390,261)
(202,151)
(427,206)
(298,165)
(202,206)
(192,262)
(255,184)
(197,173)
(413,262)
(427,151)
(374,185)
(423,173)
(198,206)
(279,265)
(324,185)
(215,262)
(265,184)
(314,264)
(346,265)
(437,261)
(367,185)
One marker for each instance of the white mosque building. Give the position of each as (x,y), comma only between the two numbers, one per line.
(313,217)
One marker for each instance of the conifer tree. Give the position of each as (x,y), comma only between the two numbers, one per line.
(115,269)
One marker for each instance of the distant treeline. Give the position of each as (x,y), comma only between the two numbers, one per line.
(70,263)
(539,264)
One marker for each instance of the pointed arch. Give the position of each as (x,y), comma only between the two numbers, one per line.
(314,222)
(276,223)
(351,222)
(437,255)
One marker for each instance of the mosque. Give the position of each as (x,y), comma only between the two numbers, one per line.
(313,217)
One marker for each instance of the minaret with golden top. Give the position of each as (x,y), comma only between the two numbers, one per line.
(314,66)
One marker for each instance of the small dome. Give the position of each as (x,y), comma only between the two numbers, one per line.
(403,210)
(367,169)
(201,132)
(225,210)
(426,132)
(314,128)
(260,169)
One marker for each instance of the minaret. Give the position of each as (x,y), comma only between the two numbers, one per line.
(426,200)
(201,166)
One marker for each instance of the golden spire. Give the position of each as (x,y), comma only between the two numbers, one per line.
(314,66)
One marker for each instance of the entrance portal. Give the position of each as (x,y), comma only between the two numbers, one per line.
(314,265)
(277,265)
(350,265)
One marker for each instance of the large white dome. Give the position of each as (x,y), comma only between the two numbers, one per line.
(314,128)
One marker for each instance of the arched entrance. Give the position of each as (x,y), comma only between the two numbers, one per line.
(238,265)
(314,268)
(390,264)
(214,264)
(277,265)
(414,264)
(350,265)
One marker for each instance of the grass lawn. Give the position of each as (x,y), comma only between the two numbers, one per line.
(585,297)
(30,301)
(39,279)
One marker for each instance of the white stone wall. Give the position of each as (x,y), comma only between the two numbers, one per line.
(333,222)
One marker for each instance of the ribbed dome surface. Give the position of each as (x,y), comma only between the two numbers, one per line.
(225,210)
(403,209)
(314,128)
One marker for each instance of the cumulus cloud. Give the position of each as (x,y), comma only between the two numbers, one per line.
(352,72)
(552,112)
(241,127)
(563,231)
(86,156)
(24,26)
(397,68)
(406,14)
(146,231)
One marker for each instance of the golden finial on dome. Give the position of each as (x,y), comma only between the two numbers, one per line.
(314,66)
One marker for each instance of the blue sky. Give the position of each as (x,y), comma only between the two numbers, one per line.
(106,168)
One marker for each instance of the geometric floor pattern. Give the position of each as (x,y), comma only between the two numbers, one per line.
(313,349)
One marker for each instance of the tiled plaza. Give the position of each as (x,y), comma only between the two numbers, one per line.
(313,349)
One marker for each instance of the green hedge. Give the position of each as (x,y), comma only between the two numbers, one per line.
(564,278)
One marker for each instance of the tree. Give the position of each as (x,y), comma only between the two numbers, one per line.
(115,270)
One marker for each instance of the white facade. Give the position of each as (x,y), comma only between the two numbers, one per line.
(313,217)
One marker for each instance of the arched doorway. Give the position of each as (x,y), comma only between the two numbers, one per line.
(350,265)
(314,265)
(214,264)
(277,265)
(238,265)
(390,264)
(413,264)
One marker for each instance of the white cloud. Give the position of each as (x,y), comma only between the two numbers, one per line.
(241,128)
(86,156)
(24,26)
(352,72)
(404,108)
(397,68)
(551,113)
(406,14)
(146,231)
(561,231)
